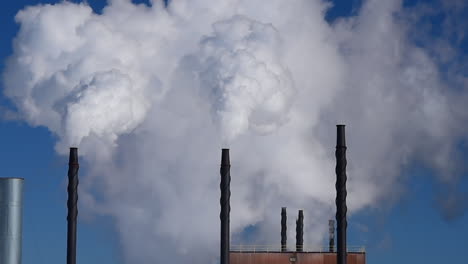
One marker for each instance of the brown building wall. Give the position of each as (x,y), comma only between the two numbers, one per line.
(286,257)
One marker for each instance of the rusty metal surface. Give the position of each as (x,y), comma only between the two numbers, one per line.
(361,258)
(286,257)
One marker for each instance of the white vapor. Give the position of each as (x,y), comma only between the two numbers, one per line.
(150,95)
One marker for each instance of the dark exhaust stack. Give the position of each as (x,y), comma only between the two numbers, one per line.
(72,205)
(283,229)
(225,206)
(341,194)
(300,232)
(331,232)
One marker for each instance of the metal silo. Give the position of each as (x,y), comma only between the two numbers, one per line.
(11,217)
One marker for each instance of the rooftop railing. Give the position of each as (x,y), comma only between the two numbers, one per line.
(305,248)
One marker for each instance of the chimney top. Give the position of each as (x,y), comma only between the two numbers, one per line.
(73,156)
(340,138)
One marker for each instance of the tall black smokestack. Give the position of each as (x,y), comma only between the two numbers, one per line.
(72,205)
(331,233)
(300,232)
(283,229)
(225,206)
(341,194)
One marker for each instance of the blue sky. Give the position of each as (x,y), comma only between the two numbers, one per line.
(411,231)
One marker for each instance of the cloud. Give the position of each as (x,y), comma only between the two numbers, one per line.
(151,94)
(241,71)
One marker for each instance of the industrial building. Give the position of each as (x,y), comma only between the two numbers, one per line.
(293,257)
(258,254)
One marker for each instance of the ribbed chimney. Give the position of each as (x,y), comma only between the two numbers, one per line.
(331,233)
(283,229)
(73,167)
(225,206)
(11,220)
(300,231)
(341,209)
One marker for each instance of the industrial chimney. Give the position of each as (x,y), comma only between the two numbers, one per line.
(300,232)
(283,229)
(72,205)
(11,217)
(341,209)
(331,233)
(225,206)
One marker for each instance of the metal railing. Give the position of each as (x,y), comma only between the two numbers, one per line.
(305,248)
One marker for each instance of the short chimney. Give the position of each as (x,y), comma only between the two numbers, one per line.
(300,232)
(331,232)
(283,229)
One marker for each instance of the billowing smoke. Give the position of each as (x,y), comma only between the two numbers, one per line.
(150,94)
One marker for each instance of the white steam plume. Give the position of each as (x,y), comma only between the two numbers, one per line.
(150,95)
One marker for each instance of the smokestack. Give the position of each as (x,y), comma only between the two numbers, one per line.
(341,209)
(225,206)
(283,229)
(331,231)
(300,232)
(11,217)
(72,205)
